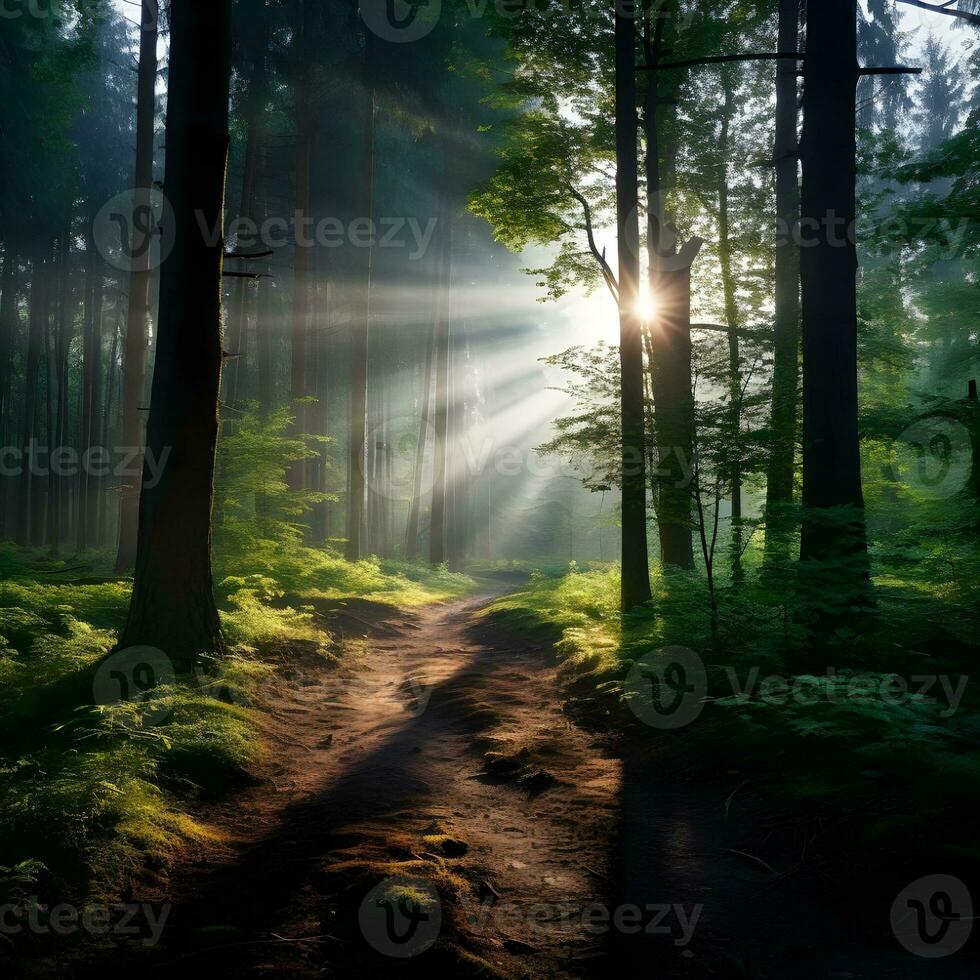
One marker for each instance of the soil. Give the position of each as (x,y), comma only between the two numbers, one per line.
(426,806)
(434,755)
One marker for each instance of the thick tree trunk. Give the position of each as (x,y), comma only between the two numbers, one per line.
(669,338)
(360,346)
(134,349)
(833,525)
(786,349)
(671,334)
(173,605)
(635,588)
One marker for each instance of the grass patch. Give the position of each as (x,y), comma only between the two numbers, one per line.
(93,797)
(907,758)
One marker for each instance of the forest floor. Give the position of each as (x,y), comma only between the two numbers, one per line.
(432,760)
(428,806)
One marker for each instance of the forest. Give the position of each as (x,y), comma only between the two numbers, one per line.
(489,488)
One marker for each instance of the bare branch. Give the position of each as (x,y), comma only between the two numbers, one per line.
(600,257)
(721,59)
(895,70)
(944,9)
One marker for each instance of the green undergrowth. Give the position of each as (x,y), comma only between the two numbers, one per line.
(100,797)
(310,574)
(94,797)
(903,753)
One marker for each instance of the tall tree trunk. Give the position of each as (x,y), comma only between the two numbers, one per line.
(299,319)
(102,497)
(669,334)
(173,604)
(91,409)
(360,346)
(375,447)
(8,342)
(412,534)
(384,474)
(134,349)
(440,474)
(263,343)
(786,349)
(37,314)
(460,480)
(320,347)
(97,408)
(255,109)
(833,524)
(731,318)
(63,330)
(635,568)
(42,503)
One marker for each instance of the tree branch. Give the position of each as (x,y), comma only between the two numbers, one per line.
(722,59)
(895,70)
(600,257)
(944,9)
(750,333)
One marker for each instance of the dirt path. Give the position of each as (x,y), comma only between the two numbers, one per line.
(426,809)
(435,767)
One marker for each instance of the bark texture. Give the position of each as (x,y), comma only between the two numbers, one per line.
(831,453)
(173,605)
(635,588)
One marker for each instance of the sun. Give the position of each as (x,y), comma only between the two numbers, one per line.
(648,306)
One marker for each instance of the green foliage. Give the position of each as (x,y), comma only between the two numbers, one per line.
(256,509)
(88,798)
(808,735)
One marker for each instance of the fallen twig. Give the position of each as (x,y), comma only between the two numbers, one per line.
(752,857)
